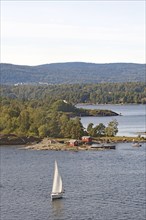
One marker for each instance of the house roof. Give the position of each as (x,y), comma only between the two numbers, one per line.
(86,137)
(72,141)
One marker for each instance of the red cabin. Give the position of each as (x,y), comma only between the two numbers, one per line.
(73,143)
(86,139)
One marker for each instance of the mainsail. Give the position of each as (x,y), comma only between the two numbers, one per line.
(57,181)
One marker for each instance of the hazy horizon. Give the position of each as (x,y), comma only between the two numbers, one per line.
(72,62)
(39,32)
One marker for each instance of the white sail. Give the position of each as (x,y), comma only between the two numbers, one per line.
(57,181)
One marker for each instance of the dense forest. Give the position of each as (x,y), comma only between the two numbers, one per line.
(72,72)
(115,93)
(49,110)
(42,118)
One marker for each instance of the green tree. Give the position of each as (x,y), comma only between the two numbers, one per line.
(53,124)
(90,129)
(24,121)
(75,128)
(100,130)
(43,131)
(64,132)
(112,129)
(63,106)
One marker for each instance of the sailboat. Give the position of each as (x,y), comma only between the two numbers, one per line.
(136,144)
(57,189)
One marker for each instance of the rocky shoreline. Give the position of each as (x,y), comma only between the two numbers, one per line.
(50,144)
(34,143)
(12,139)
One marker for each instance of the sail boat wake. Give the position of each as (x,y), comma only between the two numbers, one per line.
(57,189)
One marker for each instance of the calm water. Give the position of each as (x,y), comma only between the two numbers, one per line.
(99,185)
(133,118)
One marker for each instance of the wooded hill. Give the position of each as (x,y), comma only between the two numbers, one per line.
(114,93)
(72,72)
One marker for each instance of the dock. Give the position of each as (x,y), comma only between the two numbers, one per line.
(103,146)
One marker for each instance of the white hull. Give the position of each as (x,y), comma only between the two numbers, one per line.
(56,196)
(136,145)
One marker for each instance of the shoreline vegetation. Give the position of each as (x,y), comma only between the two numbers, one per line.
(95,104)
(45,118)
(57,144)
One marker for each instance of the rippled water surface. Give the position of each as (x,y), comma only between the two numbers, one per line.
(100,185)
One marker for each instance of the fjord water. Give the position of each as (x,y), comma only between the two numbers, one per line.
(131,121)
(99,185)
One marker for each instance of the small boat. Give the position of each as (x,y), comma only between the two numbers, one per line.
(57,189)
(136,145)
(103,146)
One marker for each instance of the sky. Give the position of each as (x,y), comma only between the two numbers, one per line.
(41,32)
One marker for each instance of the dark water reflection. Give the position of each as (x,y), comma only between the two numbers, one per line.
(58,208)
(103,185)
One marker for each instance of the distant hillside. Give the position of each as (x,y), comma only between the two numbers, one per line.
(74,72)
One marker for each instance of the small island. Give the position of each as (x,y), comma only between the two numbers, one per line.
(85,143)
(66,144)
(54,125)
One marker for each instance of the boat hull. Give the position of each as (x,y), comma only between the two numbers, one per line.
(136,145)
(103,146)
(56,196)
